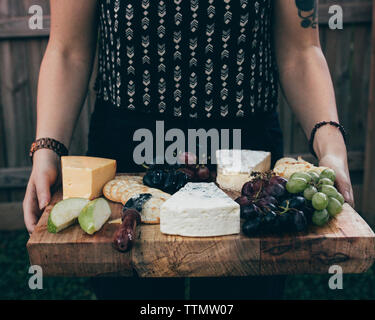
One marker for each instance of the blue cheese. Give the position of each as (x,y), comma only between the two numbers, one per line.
(200,210)
(235,166)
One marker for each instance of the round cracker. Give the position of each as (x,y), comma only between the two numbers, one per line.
(118,181)
(107,188)
(119,189)
(136,190)
(151,210)
(150,213)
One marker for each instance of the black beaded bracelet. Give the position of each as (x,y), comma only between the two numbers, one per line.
(321,124)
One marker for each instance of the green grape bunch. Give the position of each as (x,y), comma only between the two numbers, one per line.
(319,191)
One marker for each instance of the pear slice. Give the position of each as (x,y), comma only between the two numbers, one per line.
(65,213)
(94,215)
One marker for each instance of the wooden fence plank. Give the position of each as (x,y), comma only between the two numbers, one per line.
(359,87)
(14,177)
(11,216)
(18,27)
(353,12)
(368,208)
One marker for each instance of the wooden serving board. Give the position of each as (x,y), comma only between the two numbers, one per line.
(346,241)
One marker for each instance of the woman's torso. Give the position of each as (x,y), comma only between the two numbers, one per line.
(199,59)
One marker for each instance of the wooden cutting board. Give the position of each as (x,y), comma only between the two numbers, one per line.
(346,241)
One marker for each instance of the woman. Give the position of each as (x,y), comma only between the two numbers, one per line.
(193,64)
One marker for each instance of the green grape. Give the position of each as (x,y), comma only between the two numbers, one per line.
(296,185)
(340,197)
(314,176)
(330,191)
(319,201)
(320,217)
(326,181)
(309,192)
(334,206)
(328,173)
(303,175)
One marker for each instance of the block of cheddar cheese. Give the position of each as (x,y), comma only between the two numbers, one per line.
(84,177)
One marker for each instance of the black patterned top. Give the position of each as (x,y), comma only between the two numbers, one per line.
(188,58)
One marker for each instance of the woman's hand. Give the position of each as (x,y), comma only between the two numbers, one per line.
(343,184)
(45,174)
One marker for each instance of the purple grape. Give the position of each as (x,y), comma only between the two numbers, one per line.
(243,201)
(270,200)
(297,202)
(203,173)
(276,190)
(272,207)
(278,180)
(299,220)
(247,189)
(249,212)
(257,186)
(270,217)
(286,220)
(252,227)
(187,158)
(262,203)
(266,201)
(189,172)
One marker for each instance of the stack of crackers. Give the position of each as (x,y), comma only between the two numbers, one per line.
(124,187)
(285,167)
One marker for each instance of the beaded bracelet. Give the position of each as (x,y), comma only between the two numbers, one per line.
(321,124)
(48,143)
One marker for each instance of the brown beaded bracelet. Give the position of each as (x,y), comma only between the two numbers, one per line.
(321,124)
(48,143)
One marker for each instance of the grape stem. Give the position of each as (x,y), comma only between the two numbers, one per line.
(285,209)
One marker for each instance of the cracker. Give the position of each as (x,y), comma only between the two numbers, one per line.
(121,187)
(150,213)
(136,190)
(107,188)
(285,167)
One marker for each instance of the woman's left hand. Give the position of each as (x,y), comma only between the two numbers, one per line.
(342,182)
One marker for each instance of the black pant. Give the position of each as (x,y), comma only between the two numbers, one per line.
(111,136)
(111,133)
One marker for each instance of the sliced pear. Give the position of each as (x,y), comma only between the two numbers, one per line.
(65,213)
(94,215)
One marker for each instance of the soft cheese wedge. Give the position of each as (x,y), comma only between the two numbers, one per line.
(94,215)
(65,213)
(200,210)
(85,177)
(235,166)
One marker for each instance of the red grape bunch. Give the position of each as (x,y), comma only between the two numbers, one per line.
(266,207)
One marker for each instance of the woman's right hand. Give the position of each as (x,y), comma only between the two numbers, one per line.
(45,175)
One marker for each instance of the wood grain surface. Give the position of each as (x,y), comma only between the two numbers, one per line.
(347,241)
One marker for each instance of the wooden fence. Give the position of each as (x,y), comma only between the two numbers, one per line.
(348,53)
